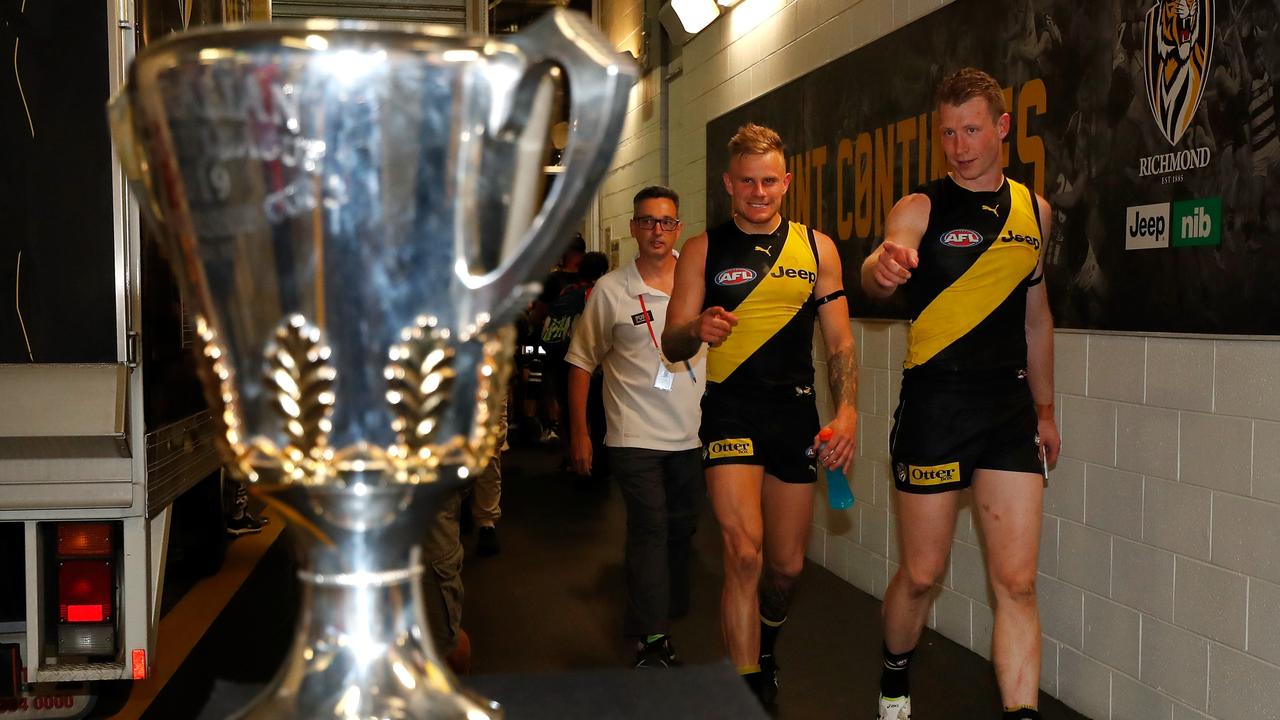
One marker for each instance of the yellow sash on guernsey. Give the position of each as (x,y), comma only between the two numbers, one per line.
(1008,260)
(770,306)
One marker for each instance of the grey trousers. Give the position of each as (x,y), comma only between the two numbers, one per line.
(442,581)
(664,492)
(486,493)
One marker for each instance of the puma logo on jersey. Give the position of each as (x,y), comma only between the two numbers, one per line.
(993,210)
(765,250)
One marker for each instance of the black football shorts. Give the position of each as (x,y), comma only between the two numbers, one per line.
(944,429)
(769,426)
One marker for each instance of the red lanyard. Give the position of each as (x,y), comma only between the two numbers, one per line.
(645,311)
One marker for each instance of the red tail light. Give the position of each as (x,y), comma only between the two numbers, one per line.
(84,561)
(85,590)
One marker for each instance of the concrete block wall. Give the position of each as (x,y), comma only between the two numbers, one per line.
(639,158)
(1159,577)
(638,163)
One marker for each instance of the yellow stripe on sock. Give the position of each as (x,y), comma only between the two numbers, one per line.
(772,623)
(748,669)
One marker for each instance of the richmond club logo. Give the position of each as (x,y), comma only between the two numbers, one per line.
(961,238)
(735,276)
(1177,53)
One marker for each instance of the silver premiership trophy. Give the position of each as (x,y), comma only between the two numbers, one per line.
(357,212)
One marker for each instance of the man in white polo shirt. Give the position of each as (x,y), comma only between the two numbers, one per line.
(652,408)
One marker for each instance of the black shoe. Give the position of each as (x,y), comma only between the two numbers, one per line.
(466,521)
(487,541)
(768,679)
(246,524)
(657,654)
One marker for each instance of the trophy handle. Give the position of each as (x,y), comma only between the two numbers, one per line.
(598,77)
(132,154)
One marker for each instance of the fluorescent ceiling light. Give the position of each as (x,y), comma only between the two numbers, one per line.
(695,14)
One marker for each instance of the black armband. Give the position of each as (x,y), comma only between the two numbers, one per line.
(828,298)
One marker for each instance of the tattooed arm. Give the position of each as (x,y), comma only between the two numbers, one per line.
(842,357)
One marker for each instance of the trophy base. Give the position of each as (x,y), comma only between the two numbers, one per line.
(282,703)
(362,649)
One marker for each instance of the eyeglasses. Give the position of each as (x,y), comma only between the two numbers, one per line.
(647,222)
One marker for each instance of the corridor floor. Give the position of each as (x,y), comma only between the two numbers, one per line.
(553,598)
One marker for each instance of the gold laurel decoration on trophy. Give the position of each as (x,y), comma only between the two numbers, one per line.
(494,372)
(420,378)
(300,379)
(228,398)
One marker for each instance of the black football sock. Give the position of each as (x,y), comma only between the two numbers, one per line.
(894,679)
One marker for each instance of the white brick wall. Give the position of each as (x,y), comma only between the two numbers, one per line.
(1159,584)
(1159,576)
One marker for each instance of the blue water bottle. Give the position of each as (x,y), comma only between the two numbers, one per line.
(839,497)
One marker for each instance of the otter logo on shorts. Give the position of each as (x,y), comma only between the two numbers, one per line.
(933,474)
(731,447)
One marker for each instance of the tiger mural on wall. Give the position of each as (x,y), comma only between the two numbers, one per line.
(1177,51)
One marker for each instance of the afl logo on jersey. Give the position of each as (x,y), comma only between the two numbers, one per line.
(961,238)
(735,276)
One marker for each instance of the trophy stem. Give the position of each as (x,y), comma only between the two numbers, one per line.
(362,648)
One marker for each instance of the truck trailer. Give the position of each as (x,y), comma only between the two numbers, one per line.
(107,447)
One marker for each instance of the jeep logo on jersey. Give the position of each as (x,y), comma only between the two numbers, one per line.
(786,272)
(731,447)
(735,276)
(961,238)
(1012,236)
(933,474)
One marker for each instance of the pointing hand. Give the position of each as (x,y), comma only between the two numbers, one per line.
(894,265)
(714,325)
